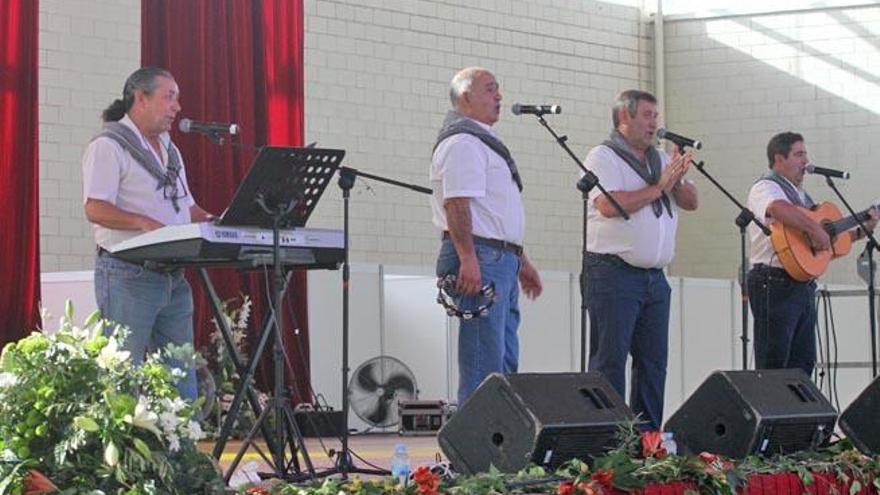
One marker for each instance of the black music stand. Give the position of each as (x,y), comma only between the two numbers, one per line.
(280,191)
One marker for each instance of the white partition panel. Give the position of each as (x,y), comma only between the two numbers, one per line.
(325,328)
(57,287)
(706,317)
(674,383)
(546,327)
(845,341)
(575,313)
(415,329)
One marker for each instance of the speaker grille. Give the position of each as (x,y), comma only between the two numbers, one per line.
(555,446)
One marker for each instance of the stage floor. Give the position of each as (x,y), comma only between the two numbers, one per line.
(372,448)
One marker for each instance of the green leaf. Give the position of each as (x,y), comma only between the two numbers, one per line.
(94,317)
(120,404)
(856,487)
(68,310)
(86,423)
(143,449)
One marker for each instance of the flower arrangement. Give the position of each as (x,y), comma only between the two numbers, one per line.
(639,460)
(236,313)
(77,417)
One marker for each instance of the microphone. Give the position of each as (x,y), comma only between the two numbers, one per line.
(827,172)
(518,109)
(187,125)
(681,141)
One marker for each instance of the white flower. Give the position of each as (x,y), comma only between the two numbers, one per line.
(244,312)
(110,356)
(175,405)
(169,422)
(173,442)
(143,417)
(8,379)
(194,431)
(111,454)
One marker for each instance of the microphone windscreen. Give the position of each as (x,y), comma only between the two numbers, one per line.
(184,125)
(515,109)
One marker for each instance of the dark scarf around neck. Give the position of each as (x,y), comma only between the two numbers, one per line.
(788,188)
(455,123)
(130,142)
(649,172)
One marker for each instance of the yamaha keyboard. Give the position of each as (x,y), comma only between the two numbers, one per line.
(205,244)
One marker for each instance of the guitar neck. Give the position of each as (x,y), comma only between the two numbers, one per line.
(849,222)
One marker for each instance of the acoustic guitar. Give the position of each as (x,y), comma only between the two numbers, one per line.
(795,250)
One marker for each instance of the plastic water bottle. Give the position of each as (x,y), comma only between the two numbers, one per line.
(400,464)
(668,442)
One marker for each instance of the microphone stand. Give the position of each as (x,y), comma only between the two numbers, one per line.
(870,247)
(347,176)
(585,185)
(742,221)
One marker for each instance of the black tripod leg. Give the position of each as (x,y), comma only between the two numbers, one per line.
(296,443)
(226,334)
(246,388)
(244,447)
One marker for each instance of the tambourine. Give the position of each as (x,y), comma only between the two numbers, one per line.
(449,298)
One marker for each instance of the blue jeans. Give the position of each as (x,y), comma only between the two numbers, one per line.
(157,308)
(629,314)
(784,312)
(486,344)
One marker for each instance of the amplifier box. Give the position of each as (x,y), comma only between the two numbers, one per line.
(324,423)
(422,417)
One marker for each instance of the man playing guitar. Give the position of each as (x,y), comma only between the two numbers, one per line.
(783,306)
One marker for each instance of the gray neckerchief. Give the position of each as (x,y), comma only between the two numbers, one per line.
(455,123)
(650,173)
(788,188)
(131,143)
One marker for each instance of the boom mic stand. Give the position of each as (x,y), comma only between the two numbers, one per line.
(585,185)
(742,221)
(870,247)
(347,176)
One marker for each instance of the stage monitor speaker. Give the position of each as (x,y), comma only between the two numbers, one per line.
(861,420)
(542,418)
(764,412)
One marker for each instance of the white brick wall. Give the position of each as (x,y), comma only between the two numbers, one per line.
(376,85)
(87,48)
(377,74)
(735,82)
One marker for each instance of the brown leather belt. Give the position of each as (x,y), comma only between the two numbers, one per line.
(495,243)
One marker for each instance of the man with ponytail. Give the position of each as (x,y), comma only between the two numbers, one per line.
(134,181)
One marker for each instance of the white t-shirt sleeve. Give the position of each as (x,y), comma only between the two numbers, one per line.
(763,193)
(102,162)
(464,168)
(601,160)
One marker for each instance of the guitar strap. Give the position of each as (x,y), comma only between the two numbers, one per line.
(790,191)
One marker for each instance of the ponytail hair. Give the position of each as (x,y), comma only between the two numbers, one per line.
(143,79)
(114,112)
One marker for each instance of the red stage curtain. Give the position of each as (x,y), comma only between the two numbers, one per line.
(236,61)
(19,169)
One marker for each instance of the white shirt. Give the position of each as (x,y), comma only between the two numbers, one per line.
(644,241)
(761,195)
(464,167)
(111,174)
